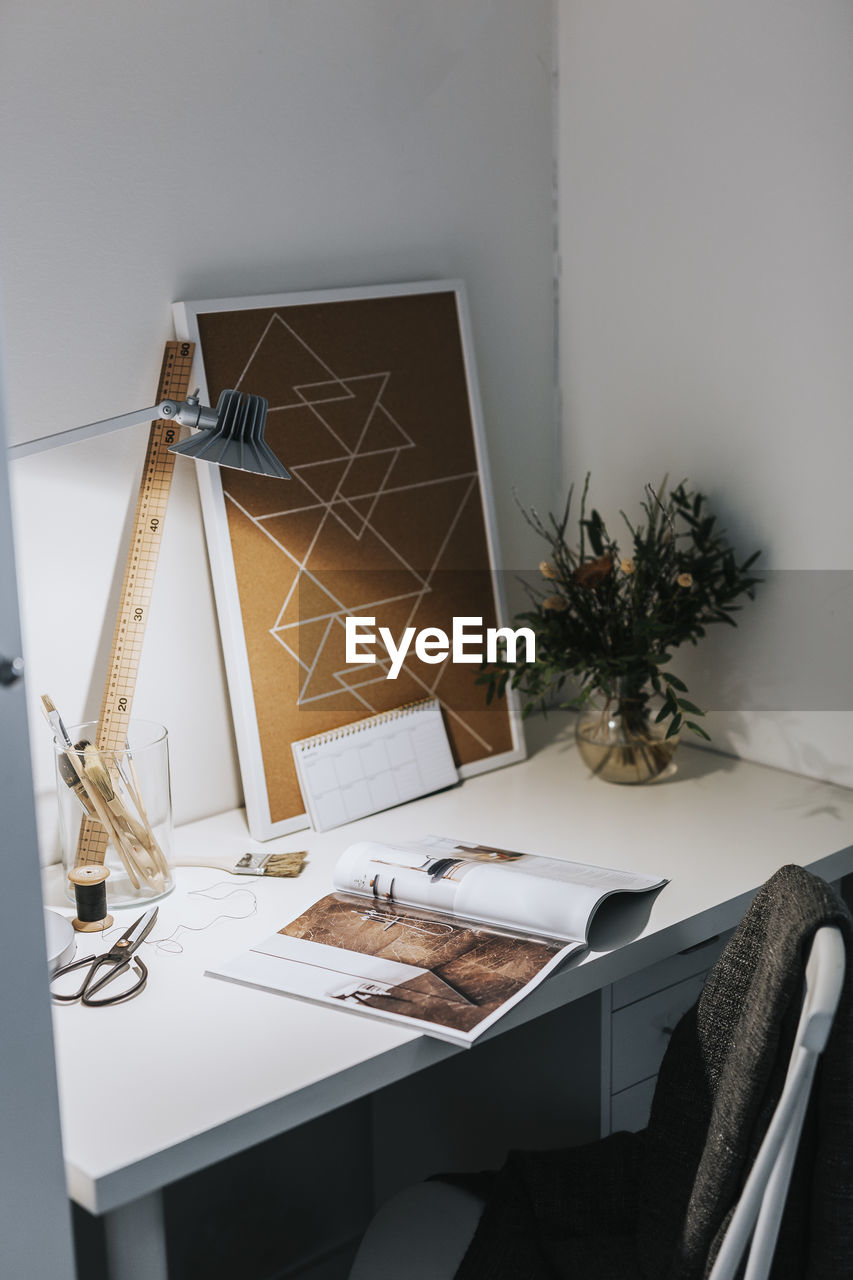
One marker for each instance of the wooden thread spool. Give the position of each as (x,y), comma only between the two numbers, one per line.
(90,896)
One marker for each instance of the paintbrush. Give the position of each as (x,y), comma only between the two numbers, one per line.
(270,864)
(103,814)
(71,761)
(54,719)
(133,789)
(133,837)
(72,781)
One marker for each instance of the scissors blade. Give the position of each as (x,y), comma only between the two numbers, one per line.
(138,931)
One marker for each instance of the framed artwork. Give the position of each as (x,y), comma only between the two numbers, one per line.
(374,409)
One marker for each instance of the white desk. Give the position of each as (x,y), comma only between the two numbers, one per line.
(197,1069)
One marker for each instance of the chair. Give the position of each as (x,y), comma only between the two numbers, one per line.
(762,1201)
(414,1222)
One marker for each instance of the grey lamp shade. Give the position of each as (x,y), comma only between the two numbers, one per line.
(237,439)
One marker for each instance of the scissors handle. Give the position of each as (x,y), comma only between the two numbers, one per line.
(86,993)
(90,987)
(70,996)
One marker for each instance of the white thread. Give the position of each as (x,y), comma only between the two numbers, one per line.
(162,944)
(169,945)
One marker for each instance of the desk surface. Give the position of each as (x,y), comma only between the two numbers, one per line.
(197,1069)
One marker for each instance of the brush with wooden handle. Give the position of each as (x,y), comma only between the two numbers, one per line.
(76,760)
(136,840)
(133,789)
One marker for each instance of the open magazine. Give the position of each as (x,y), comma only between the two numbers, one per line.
(443,935)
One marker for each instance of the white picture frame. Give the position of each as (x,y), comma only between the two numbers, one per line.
(218,327)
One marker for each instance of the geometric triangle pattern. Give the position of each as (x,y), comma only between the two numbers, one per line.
(339,500)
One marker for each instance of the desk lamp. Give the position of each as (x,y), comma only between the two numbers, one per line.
(231,435)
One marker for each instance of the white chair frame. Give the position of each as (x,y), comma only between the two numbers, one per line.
(759,1210)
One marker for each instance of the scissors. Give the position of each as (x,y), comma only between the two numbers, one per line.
(119,958)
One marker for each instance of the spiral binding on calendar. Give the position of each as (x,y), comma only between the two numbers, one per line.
(359,726)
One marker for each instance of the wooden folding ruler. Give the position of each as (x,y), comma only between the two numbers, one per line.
(138,584)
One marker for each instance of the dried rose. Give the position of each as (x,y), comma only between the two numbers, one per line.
(685,579)
(547,570)
(627,566)
(593,572)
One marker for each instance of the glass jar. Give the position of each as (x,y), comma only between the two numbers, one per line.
(115,807)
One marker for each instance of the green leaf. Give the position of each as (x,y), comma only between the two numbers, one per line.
(698,729)
(595,527)
(691,707)
(673,727)
(675,682)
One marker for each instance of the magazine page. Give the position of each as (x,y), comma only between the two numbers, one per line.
(420,968)
(486,884)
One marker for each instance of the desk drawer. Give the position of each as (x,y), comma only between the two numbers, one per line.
(674,969)
(641,1031)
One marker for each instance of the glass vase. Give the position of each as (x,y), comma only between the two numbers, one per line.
(619,740)
(126,798)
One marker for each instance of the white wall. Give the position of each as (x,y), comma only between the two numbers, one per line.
(706,207)
(210,149)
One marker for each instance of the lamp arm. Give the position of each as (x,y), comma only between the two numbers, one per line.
(188,413)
